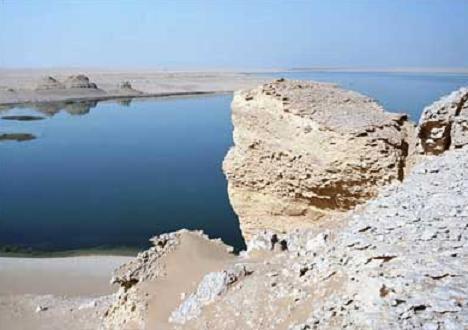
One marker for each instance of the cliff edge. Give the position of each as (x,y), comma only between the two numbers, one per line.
(305,151)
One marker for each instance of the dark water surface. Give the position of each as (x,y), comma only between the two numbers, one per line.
(117,175)
(111,175)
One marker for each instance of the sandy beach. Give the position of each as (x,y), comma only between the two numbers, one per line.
(47,293)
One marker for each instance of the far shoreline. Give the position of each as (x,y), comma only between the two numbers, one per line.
(113,98)
(24,253)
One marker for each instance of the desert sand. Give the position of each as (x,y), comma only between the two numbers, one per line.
(54,293)
(34,85)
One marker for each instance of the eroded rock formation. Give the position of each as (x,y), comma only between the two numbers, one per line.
(49,83)
(444,124)
(79,81)
(305,151)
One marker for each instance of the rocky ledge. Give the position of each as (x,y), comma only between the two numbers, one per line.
(444,124)
(306,151)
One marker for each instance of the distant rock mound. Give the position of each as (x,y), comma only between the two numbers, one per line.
(49,83)
(304,151)
(444,124)
(127,88)
(79,81)
(125,85)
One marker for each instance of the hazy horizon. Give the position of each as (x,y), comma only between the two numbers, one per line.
(234,34)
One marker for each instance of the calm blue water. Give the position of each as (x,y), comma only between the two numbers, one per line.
(112,175)
(117,175)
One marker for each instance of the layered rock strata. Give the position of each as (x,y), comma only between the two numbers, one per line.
(444,124)
(305,151)
(79,81)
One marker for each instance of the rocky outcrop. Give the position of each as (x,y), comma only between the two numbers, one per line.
(444,124)
(210,288)
(72,82)
(399,262)
(125,85)
(127,88)
(305,151)
(49,83)
(79,81)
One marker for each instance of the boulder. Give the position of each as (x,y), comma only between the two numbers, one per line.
(305,151)
(444,124)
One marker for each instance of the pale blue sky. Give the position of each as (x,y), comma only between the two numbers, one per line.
(234,34)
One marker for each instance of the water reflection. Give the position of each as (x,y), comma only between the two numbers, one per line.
(79,108)
(125,102)
(53,108)
(23,118)
(27,113)
(18,137)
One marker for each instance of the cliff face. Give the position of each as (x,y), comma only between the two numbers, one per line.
(304,151)
(444,124)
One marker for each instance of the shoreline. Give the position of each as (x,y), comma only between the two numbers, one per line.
(95,252)
(90,275)
(46,293)
(93,98)
(104,98)
(36,86)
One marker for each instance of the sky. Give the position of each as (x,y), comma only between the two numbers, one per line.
(234,34)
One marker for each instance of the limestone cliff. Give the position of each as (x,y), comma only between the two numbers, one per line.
(304,151)
(444,124)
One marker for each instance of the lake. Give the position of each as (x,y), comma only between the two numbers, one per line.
(108,176)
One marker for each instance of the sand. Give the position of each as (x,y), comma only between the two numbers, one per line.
(73,291)
(183,275)
(19,85)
